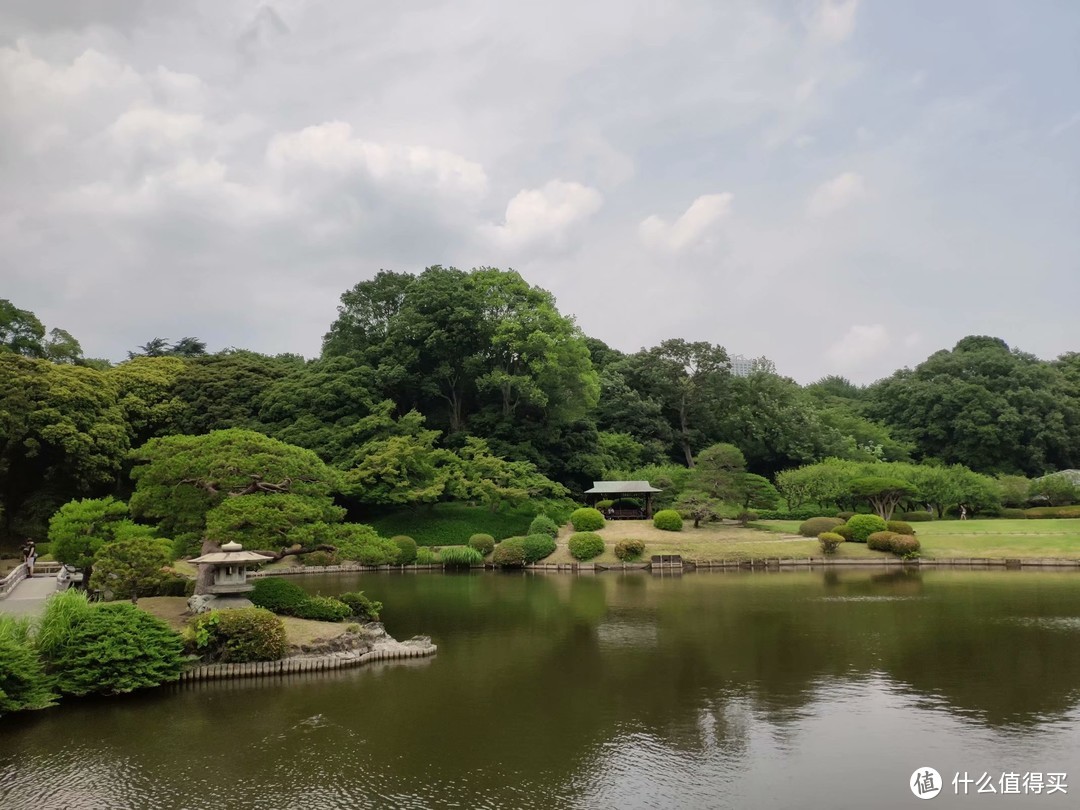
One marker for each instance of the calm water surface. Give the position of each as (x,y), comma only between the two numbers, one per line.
(785,690)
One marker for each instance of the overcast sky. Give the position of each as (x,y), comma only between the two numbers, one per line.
(844,187)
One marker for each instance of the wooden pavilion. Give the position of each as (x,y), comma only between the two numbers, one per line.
(613,490)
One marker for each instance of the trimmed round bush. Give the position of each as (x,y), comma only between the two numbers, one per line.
(900,527)
(116,648)
(586,545)
(460,556)
(277,595)
(510,553)
(629,550)
(406,549)
(538,546)
(904,545)
(668,520)
(605,504)
(746,515)
(862,526)
(239,635)
(587,519)
(484,543)
(844,517)
(361,606)
(542,524)
(830,541)
(880,541)
(323,609)
(815,526)
(918,517)
(320,558)
(844,531)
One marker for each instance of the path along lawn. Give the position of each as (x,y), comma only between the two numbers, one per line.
(1015,539)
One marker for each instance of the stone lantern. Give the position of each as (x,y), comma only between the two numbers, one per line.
(228,583)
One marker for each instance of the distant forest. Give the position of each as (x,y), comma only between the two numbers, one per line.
(483,362)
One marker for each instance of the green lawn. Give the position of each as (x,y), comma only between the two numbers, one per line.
(450,524)
(1017,539)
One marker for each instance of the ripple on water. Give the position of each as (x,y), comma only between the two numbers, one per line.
(866,598)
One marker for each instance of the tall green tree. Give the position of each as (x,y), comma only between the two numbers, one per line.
(130,566)
(80,529)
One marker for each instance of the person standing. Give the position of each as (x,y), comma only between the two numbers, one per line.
(29,554)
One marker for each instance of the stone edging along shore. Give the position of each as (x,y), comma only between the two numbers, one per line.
(383,651)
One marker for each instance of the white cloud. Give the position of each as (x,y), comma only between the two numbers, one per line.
(858,345)
(1064,126)
(331,146)
(834,20)
(693,229)
(836,194)
(545,214)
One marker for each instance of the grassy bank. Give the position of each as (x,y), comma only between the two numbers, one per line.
(450,524)
(1014,539)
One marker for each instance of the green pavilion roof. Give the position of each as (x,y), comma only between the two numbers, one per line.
(621,488)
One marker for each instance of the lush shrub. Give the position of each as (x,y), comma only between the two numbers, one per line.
(918,517)
(586,519)
(277,595)
(320,558)
(802,513)
(815,526)
(629,550)
(862,526)
(186,544)
(239,635)
(880,541)
(510,553)
(904,545)
(542,524)
(604,505)
(844,517)
(844,531)
(322,609)
(746,516)
(425,556)
(359,542)
(484,543)
(23,682)
(116,648)
(406,549)
(361,606)
(668,520)
(173,584)
(900,527)
(830,541)
(1014,514)
(538,546)
(449,524)
(586,545)
(57,625)
(460,556)
(629,503)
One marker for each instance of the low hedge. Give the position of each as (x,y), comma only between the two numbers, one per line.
(323,609)
(277,595)
(510,553)
(902,545)
(239,635)
(899,527)
(1052,512)
(830,541)
(604,505)
(862,526)
(320,558)
(484,543)
(802,513)
(1014,514)
(587,519)
(586,545)
(538,546)
(629,550)
(844,517)
(880,541)
(815,526)
(918,517)
(668,520)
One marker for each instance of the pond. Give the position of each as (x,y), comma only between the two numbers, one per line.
(745,690)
